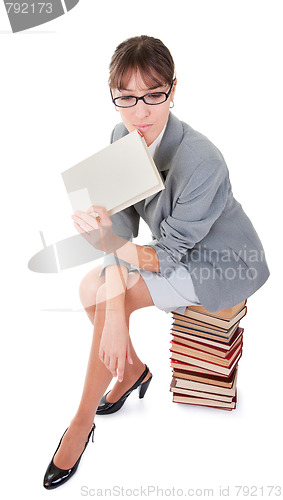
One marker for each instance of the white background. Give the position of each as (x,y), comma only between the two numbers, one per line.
(56,111)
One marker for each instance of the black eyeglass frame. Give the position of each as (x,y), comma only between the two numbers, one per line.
(166,94)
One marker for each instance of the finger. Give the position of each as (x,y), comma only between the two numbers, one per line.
(102,213)
(93,209)
(106,361)
(112,366)
(96,209)
(129,355)
(86,221)
(81,229)
(121,369)
(101,354)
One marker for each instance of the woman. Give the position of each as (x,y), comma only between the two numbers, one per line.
(204,251)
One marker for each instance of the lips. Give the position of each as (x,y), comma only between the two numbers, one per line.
(143,128)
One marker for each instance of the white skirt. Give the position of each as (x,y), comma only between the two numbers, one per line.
(173,293)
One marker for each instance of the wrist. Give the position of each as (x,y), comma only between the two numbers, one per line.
(115,311)
(111,241)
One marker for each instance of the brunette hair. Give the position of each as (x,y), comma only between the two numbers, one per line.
(143,54)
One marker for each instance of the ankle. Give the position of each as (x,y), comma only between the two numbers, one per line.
(136,371)
(81,423)
(132,376)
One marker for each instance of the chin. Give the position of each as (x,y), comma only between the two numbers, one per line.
(149,139)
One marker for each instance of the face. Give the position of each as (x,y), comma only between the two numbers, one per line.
(149,120)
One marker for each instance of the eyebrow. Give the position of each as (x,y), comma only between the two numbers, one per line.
(151,88)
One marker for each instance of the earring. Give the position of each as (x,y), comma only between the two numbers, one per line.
(172,102)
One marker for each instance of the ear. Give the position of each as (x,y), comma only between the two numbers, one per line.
(174,87)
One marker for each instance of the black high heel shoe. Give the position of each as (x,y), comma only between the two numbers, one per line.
(105,408)
(54,476)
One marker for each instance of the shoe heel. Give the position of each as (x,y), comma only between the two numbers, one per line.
(143,387)
(92,433)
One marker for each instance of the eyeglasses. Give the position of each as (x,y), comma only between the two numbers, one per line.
(154,98)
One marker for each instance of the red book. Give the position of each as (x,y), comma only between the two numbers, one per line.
(211,358)
(210,347)
(195,362)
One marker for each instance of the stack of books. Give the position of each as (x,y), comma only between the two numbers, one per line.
(205,351)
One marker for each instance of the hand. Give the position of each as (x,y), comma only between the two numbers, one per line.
(96,230)
(114,348)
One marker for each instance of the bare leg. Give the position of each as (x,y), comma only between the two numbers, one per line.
(98,376)
(87,293)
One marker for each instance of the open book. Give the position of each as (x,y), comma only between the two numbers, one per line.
(116,177)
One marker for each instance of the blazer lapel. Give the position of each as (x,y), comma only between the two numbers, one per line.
(170,142)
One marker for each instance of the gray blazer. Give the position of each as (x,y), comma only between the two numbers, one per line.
(195,221)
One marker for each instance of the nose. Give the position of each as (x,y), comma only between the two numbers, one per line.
(141,109)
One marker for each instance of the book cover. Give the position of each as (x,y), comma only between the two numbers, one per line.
(187,372)
(201,394)
(194,385)
(203,402)
(201,333)
(223,370)
(227,314)
(203,341)
(213,320)
(116,177)
(223,353)
(200,325)
(211,358)
(188,368)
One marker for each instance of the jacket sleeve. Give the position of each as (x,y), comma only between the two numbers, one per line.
(199,205)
